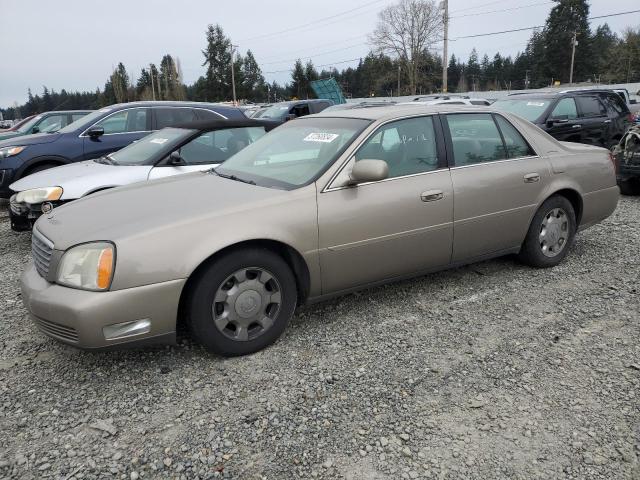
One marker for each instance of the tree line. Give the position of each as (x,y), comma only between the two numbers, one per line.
(394,66)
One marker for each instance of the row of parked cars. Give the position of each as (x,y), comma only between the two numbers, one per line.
(268,214)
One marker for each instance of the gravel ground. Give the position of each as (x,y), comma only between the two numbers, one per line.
(490,371)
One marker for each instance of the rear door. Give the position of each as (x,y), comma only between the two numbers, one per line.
(563,122)
(497,181)
(120,129)
(596,125)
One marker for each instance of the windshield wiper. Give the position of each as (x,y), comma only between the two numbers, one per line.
(233,177)
(105,160)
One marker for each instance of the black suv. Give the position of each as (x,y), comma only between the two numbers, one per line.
(597,117)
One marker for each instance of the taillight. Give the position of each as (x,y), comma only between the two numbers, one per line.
(614,161)
(632,119)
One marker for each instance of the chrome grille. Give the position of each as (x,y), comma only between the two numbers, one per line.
(41,250)
(56,330)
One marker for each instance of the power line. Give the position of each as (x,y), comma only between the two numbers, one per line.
(478,6)
(314,23)
(315,55)
(502,10)
(539,26)
(291,52)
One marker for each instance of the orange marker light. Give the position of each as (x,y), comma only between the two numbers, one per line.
(105,269)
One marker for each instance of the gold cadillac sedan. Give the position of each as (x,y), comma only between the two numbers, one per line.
(321,206)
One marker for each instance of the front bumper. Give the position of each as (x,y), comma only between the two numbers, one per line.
(628,170)
(23,215)
(78,317)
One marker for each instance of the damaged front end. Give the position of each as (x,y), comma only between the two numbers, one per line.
(627,154)
(23,215)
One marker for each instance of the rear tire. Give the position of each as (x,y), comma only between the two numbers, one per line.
(550,234)
(630,186)
(241,302)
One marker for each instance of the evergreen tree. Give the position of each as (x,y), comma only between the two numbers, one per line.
(567,17)
(298,80)
(218,63)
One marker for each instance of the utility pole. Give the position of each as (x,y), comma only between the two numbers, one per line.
(398,80)
(233,75)
(153,89)
(574,42)
(445,57)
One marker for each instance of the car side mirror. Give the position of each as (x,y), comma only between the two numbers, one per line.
(95,132)
(175,159)
(290,116)
(633,101)
(35,129)
(364,171)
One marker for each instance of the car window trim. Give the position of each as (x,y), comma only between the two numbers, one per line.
(440,149)
(111,114)
(449,141)
(155,122)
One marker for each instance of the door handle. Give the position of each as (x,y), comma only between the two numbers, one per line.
(576,126)
(431,195)
(607,121)
(531,178)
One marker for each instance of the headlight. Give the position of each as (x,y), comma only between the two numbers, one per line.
(39,195)
(88,267)
(10,151)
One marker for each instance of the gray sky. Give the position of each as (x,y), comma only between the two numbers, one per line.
(75,44)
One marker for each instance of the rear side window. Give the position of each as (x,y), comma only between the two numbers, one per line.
(617,103)
(170,117)
(475,138)
(206,114)
(591,107)
(514,143)
(131,120)
(566,106)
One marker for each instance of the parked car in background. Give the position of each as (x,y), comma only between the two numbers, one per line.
(284,111)
(320,206)
(363,104)
(167,152)
(18,123)
(627,153)
(595,117)
(48,122)
(439,96)
(97,134)
(451,101)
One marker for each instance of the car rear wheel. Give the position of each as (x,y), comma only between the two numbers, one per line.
(242,302)
(550,234)
(629,186)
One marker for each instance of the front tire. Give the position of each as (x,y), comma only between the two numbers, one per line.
(241,302)
(550,234)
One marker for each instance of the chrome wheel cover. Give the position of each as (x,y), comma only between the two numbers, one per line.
(246,304)
(554,232)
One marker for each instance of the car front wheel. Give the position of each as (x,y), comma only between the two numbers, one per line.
(550,234)
(241,302)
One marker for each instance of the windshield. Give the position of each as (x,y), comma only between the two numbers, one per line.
(295,153)
(276,111)
(528,108)
(27,126)
(85,121)
(145,150)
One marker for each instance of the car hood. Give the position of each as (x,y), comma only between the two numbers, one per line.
(33,139)
(8,135)
(153,206)
(78,179)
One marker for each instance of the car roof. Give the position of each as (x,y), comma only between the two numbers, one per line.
(401,110)
(553,94)
(57,112)
(207,125)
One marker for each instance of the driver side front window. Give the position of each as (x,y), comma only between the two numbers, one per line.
(566,106)
(408,146)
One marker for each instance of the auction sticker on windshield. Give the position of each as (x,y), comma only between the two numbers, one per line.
(321,137)
(159,140)
(535,104)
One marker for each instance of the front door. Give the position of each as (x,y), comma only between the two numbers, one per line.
(497,180)
(563,122)
(120,129)
(395,227)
